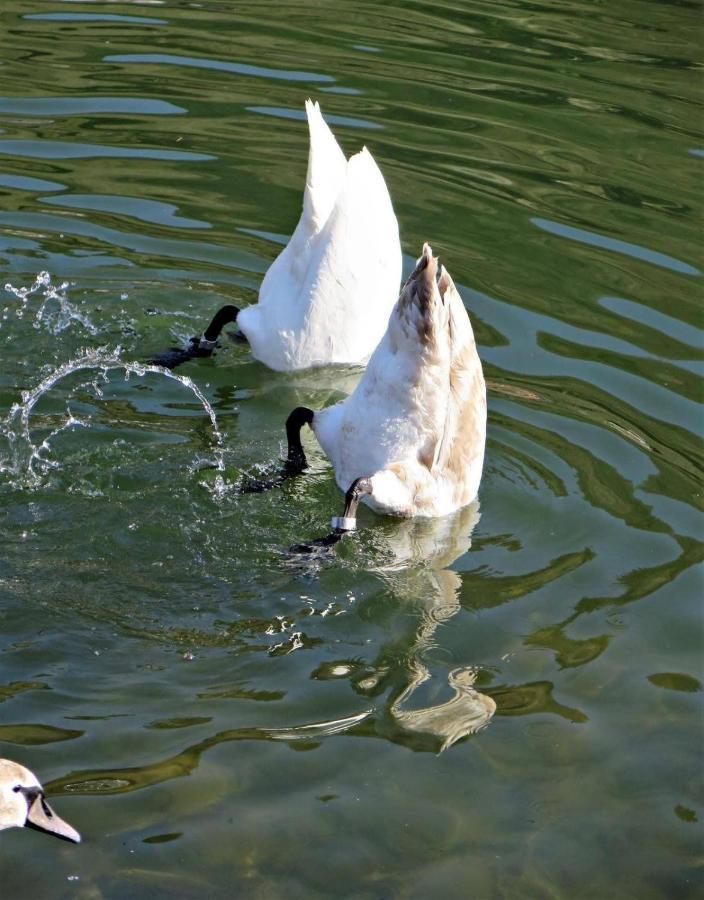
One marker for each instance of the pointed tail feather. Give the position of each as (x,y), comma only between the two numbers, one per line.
(326,168)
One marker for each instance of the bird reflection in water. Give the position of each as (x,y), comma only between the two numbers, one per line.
(419,552)
(422,551)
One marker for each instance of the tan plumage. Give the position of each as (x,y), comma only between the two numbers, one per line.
(415,426)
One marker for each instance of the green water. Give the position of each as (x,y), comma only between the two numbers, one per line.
(219,718)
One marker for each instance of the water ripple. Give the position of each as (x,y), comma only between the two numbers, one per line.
(616,246)
(136,207)
(300,116)
(26,183)
(70,150)
(236,68)
(86,106)
(202,252)
(94,17)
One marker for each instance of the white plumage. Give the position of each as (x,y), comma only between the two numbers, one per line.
(327,297)
(416,423)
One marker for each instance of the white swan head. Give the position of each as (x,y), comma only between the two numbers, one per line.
(23,804)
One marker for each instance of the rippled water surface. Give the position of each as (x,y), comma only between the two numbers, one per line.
(220,718)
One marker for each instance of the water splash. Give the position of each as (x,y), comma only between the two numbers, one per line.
(27,459)
(55,313)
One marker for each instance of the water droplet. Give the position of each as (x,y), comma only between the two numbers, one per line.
(16,426)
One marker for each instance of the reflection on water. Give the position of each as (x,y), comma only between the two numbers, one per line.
(466,713)
(421,553)
(211,708)
(114,781)
(416,556)
(434,592)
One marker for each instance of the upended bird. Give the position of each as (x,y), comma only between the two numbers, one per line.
(327,297)
(23,804)
(409,441)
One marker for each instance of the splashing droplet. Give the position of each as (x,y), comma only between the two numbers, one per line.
(26,459)
(55,312)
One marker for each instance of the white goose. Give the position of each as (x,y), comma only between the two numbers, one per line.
(410,440)
(317,305)
(22,803)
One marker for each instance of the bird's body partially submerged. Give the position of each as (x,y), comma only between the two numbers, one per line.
(415,427)
(22,803)
(327,297)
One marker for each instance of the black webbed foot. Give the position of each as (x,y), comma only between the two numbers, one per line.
(202,346)
(261,485)
(319,545)
(173,357)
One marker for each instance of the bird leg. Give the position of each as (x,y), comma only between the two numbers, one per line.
(348,520)
(341,525)
(224,315)
(198,346)
(296,461)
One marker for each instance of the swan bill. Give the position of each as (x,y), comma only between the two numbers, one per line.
(43,818)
